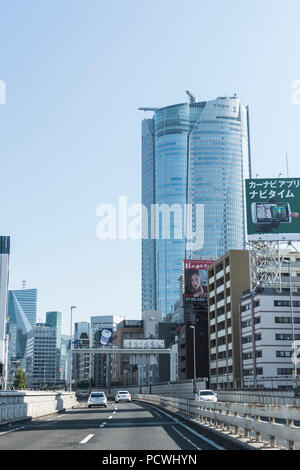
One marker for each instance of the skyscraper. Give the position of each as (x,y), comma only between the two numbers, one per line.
(53,319)
(21,317)
(41,362)
(196,154)
(4,265)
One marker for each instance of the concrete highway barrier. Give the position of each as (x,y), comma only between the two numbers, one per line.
(18,406)
(264,426)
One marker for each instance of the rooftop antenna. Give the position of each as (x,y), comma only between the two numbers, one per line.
(147,109)
(191,97)
(287,165)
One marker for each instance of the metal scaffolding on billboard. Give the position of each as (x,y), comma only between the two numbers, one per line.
(265,262)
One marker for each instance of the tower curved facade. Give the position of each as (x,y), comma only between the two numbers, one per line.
(200,157)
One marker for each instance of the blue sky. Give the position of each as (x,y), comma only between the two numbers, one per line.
(75,74)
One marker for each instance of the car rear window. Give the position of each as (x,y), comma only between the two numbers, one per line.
(126,393)
(206,393)
(97,394)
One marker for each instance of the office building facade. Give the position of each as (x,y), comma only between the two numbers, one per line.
(195,154)
(41,362)
(4,269)
(123,372)
(81,361)
(53,319)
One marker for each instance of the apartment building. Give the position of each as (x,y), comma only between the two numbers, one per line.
(228,278)
(269,327)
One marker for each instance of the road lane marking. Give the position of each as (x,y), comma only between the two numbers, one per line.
(141,425)
(56,417)
(186,438)
(209,441)
(87,438)
(12,430)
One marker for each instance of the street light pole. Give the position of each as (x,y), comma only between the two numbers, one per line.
(71,334)
(194,347)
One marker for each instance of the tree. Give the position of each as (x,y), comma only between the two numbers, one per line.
(20,380)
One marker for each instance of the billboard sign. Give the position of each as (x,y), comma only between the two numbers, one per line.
(273,209)
(195,280)
(105,336)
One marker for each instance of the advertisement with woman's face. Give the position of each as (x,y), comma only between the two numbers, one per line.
(195,280)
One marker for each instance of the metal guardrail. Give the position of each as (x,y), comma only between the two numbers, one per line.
(268,425)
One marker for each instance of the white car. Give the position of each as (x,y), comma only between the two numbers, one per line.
(206,395)
(122,396)
(97,399)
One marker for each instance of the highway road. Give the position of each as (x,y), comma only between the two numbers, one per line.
(122,426)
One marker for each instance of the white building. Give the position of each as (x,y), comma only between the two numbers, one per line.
(103,321)
(150,319)
(268,328)
(40,356)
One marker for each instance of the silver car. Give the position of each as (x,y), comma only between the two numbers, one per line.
(122,396)
(82,393)
(97,399)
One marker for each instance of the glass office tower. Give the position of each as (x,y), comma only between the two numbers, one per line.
(53,319)
(200,156)
(148,196)
(22,306)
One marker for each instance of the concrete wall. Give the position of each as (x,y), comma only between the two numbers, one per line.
(259,397)
(17,406)
(183,389)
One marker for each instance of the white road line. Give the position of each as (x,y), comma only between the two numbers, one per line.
(186,438)
(12,430)
(56,417)
(87,438)
(209,441)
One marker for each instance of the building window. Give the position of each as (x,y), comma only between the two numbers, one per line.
(284,353)
(286,320)
(286,337)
